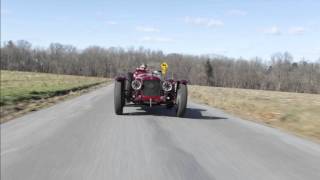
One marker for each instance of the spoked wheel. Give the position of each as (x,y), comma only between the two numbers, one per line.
(182,98)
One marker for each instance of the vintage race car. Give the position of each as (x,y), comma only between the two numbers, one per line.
(150,88)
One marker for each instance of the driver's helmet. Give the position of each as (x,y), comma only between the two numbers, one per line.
(143,66)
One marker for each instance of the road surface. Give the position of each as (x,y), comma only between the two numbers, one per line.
(83,139)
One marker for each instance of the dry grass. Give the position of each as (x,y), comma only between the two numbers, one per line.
(22,92)
(295,112)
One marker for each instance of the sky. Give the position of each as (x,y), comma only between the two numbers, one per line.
(233,28)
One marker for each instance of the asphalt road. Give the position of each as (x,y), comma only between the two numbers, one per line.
(83,139)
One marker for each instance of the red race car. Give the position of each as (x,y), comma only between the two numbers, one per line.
(144,87)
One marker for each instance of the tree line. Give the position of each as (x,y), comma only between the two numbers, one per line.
(281,72)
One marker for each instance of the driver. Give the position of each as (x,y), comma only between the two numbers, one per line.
(140,70)
(143,67)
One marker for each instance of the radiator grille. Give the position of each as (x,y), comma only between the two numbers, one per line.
(151,88)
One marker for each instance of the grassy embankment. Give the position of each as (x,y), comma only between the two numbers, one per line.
(295,112)
(22,92)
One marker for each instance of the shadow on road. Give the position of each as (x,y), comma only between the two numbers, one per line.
(191,113)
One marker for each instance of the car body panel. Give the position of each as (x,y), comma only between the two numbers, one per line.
(163,97)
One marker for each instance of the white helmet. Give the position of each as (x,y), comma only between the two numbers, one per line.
(143,66)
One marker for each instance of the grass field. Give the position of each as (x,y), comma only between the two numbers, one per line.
(18,89)
(295,112)
(17,86)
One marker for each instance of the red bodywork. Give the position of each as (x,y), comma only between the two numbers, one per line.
(139,97)
(164,97)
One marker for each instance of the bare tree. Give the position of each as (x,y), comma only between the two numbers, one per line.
(280,73)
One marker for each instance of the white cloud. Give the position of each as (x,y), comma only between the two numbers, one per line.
(147,29)
(296,30)
(274,30)
(237,12)
(156,39)
(111,22)
(201,21)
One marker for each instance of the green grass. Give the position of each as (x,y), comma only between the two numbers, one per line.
(19,86)
(295,112)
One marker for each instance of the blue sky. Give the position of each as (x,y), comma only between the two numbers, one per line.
(233,28)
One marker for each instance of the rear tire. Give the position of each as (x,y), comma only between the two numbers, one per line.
(182,98)
(118,97)
(128,88)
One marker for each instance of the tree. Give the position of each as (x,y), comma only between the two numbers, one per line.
(209,73)
(280,73)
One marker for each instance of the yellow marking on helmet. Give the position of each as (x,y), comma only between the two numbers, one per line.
(164,68)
